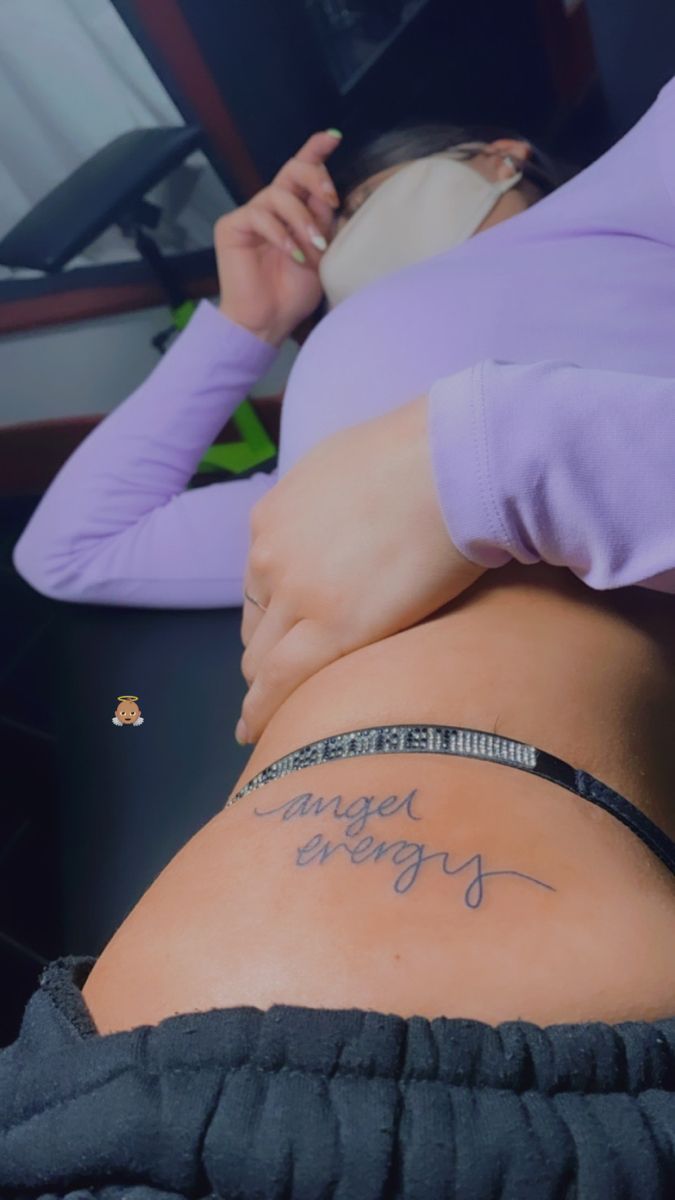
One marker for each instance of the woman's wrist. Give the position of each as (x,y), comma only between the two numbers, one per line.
(274,335)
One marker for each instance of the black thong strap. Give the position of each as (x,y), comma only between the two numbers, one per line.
(468,743)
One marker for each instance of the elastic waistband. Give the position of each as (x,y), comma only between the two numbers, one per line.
(347,1103)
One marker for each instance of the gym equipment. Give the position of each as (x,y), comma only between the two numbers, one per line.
(109,188)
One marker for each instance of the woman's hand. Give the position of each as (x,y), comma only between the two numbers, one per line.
(262,287)
(346,549)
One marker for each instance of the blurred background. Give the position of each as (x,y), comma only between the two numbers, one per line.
(128,128)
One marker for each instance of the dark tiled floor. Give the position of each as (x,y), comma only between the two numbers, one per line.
(30,921)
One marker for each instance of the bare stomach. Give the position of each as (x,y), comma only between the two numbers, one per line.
(430,885)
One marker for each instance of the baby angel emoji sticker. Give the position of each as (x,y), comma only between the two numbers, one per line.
(127,711)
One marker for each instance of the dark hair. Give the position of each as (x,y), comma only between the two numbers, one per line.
(350,165)
(353,163)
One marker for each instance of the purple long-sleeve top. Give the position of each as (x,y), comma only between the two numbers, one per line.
(546,345)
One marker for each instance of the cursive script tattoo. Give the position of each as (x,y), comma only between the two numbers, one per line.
(320,849)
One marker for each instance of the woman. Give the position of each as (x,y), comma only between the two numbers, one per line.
(139,538)
(351,1048)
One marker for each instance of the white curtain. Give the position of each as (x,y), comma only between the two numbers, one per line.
(72,78)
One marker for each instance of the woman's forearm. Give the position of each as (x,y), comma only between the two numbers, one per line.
(554,462)
(116,516)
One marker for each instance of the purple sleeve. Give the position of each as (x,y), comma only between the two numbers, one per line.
(559,463)
(116,525)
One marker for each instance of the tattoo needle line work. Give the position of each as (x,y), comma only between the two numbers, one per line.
(411,854)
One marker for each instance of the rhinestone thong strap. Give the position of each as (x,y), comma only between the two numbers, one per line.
(467,743)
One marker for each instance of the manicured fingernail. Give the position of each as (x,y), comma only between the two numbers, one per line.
(241,733)
(316,238)
(334,133)
(298,256)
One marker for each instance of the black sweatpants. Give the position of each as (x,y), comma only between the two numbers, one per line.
(331,1104)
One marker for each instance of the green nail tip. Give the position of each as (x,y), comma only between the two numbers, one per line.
(298,256)
(336,133)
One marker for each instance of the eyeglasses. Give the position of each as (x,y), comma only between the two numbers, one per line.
(536,167)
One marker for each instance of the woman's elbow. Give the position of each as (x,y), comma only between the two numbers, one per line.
(29,565)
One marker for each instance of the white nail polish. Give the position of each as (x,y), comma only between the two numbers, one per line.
(316,238)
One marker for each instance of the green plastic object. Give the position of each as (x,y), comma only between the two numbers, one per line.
(182,314)
(255,446)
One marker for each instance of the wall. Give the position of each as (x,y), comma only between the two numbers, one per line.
(635,49)
(91,366)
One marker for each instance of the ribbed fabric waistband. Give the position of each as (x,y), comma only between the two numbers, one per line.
(341,1103)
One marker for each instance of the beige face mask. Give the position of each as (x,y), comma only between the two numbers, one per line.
(426,208)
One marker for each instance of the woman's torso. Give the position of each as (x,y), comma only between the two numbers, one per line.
(585,276)
(579,928)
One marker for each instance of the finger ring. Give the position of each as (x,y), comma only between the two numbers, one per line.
(254,601)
